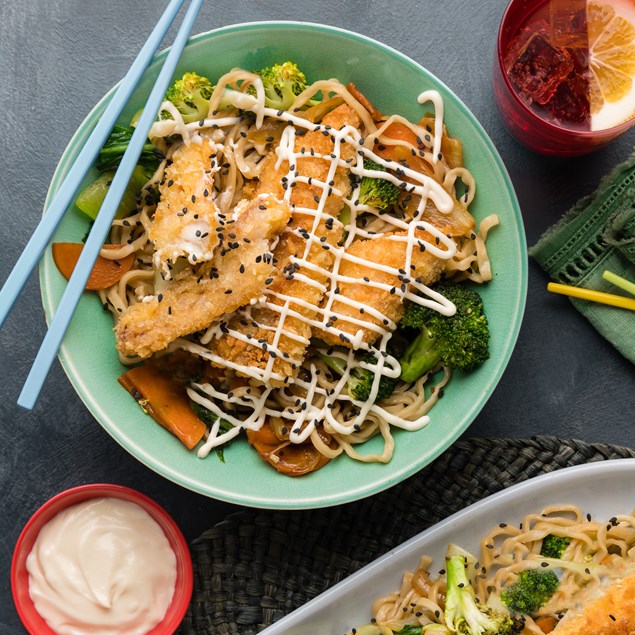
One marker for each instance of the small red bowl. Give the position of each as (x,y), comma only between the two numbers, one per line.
(32,620)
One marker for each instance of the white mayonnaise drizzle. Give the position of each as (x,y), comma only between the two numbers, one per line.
(103,566)
(435,97)
(319,403)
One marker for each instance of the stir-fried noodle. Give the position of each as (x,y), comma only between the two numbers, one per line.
(285,329)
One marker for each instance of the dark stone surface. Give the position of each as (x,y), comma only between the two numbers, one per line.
(56,61)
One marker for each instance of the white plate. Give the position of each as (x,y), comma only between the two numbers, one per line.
(602,489)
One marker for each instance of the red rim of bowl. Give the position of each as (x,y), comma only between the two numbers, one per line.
(32,620)
(612,132)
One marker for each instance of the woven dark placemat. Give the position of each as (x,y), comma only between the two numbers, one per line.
(258,565)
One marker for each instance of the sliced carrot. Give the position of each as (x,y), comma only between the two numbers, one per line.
(264,436)
(401,153)
(288,458)
(401,132)
(546,624)
(364,101)
(166,401)
(451,147)
(105,273)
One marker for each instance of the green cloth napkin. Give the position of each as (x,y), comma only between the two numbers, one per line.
(598,233)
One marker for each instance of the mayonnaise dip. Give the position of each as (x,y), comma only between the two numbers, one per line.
(104,567)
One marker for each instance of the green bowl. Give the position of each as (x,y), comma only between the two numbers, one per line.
(392,81)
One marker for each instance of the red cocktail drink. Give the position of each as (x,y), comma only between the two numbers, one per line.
(563,73)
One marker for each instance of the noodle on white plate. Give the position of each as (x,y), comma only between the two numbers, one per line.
(598,553)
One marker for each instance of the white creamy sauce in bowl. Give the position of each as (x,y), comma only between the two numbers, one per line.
(103,567)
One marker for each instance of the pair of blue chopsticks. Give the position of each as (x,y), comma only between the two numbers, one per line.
(40,238)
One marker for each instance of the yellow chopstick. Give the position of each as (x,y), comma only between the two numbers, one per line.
(594,296)
(620,282)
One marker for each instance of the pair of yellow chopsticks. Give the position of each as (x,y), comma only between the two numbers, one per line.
(598,296)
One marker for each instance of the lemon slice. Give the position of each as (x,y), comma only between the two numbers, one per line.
(611,28)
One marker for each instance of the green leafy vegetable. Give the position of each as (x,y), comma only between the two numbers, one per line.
(91,198)
(210,418)
(111,154)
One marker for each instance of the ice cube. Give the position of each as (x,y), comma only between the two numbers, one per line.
(571,101)
(536,67)
(567,23)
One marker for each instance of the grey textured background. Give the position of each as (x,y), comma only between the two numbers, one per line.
(57,58)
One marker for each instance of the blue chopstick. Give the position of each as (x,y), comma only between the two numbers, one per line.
(75,287)
(63,198)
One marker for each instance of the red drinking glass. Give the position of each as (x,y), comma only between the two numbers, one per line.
(528,118)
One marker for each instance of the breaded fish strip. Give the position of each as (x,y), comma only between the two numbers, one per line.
(389,253)
(237,274)
(612,613)
(304,195)
(184,220)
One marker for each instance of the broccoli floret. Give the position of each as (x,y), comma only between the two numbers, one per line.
(191,95)
(360,380)
(460,341)
(345,219)
(532,589)
(282,84)
(554,546)
(463,613)
(378,193)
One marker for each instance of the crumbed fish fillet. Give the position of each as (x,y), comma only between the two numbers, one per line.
(427,270)
(185,217)
(237,274)
(390,253)
(304,297)
(612,613)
